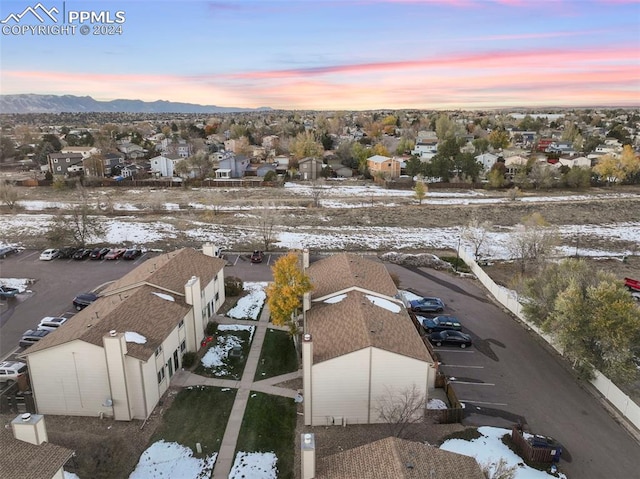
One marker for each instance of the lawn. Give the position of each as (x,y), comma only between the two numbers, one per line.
(219,361)
(278,355)
(269,426)
(197,414)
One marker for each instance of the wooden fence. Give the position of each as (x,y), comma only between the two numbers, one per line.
(535,448)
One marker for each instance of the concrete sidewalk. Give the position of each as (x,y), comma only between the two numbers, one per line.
(226,455)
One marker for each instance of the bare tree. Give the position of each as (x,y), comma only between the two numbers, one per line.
(532,240)
(317,192)
(79,227)
(267,219)
(401,407)
(476,234)
(8,195)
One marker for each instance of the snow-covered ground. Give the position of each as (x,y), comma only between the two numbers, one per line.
(489,448)
(171,460)
(254,465)
(249,306)
(216,357)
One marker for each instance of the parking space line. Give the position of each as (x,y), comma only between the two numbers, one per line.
(236,261)
(460,366)
(472,383)
(483,402)
(28,256)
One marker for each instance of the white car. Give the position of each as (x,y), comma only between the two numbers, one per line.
(49,254)
(51,323)
(10,371)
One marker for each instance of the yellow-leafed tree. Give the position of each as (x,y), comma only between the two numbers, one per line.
(284,295)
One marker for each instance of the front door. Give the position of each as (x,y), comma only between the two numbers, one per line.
(170,366)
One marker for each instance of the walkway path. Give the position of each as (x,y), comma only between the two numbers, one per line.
(224,461)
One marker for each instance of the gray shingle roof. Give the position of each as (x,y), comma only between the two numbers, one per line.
(394,458)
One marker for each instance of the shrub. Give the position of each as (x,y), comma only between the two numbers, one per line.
(188,359)
(270,176)
(211,329)
(233,286)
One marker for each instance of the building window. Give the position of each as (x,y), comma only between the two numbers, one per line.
(217,296)
(183,346)
(181,324)
(159,350)
(161,375)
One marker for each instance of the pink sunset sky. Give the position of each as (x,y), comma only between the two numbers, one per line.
(360,54)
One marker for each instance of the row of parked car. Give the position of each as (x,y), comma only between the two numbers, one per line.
(441,330)
(91,253)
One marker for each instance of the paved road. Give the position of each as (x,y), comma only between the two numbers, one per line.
(516,376)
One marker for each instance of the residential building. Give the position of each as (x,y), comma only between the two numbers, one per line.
(65,163)
(487,160)
(383,165)
(164,165)
(132,151)
(270,142)
(116,357)
(310,168)
(27,452)
(514,163)
(111,160)
(232,166)
(359,343)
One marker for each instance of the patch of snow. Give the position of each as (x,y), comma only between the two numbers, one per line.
(384,303)
(164,296)
(238,327)
(335,299)
(19,283)
(132,337)
(249,306)
(70,475)
(489,449)
(169,460)
(435,403)
(256,465)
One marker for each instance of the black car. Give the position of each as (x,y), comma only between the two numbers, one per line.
(450,337)
(132,253)
(439,323)
(81,254)
(68,252)
(99,253)
(83,300)
(427,305)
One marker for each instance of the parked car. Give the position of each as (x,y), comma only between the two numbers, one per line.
(257,256)
(66,253)
(49,254)
(32,336)
(6,292)
(440,323)
(99,253)
(115,254)
(450,337)
(7,250)
(11,371)
(81,254)
(427,305)
(83,300)
(51,323)
(132,253)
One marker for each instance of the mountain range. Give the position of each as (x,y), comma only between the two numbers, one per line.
(32,103)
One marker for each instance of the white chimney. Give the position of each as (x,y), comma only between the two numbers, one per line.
(305,258)
(30,428)
(210,249)
(308,455)
(306,301)
(115,349)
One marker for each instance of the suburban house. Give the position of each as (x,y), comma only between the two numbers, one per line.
(27,452)
(232,166)
(359,343)
(116,357)
(487,160)
(425,149)
(581,161)
(65,163)
(164,165)
(132,151)
(514,163)
(310,168)
(385,166)
(111,160)
(388,458)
